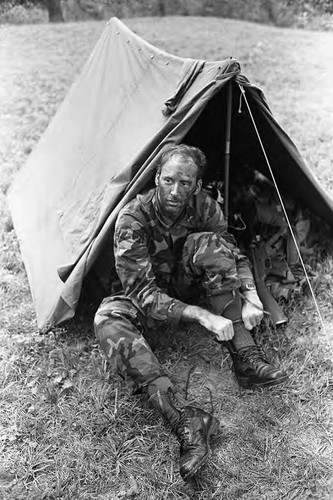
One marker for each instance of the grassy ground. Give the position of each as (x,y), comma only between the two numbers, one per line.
(69,428)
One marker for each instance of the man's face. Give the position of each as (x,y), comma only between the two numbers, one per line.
(176,183)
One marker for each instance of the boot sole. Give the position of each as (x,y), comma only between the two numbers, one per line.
(214,429)
(250,384)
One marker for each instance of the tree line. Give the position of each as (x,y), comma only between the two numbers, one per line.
(53,7)
(165,7)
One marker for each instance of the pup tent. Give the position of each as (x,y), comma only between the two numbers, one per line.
(103,146)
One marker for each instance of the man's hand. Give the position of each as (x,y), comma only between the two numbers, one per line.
(222,327)
(253,310)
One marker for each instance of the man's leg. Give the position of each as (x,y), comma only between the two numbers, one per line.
(207,256)
(119,331)
(118,328)
(251,366)
(229,305)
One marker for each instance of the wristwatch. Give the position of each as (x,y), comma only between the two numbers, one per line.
(248,287)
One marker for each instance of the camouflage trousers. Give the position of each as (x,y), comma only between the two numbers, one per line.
(121,327)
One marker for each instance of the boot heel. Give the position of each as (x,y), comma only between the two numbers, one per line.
(245,382)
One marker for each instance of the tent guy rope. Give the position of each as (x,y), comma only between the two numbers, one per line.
(288,221)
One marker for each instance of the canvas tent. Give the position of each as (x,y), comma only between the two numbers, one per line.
(103,145)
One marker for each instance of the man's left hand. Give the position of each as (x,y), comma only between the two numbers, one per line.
(253,310)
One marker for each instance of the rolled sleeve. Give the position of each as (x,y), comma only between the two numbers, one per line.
(176,310)
(244,272)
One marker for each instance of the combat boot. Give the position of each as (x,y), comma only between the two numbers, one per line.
(252,369)
(193,428)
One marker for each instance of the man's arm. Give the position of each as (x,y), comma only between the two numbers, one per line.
(135,271)
(222,327)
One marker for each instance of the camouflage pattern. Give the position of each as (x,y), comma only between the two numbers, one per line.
(119,327)
(162,269)
(149,254)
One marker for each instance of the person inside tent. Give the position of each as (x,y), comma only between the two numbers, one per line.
(171,246)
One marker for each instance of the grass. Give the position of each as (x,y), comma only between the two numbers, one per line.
(69,427)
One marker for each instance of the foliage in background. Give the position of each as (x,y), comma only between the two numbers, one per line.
(12,10)
(300,13)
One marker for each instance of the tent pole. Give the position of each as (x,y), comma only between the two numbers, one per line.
(227,150)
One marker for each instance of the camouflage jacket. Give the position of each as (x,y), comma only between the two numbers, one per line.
(147,250)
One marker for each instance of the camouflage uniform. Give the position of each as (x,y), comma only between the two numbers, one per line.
(158,265)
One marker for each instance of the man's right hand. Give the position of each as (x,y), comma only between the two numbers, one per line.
(222,327)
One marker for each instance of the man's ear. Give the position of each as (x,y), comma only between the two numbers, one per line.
(198,186)
(157,177)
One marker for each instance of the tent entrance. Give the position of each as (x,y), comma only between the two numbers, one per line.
(255,214)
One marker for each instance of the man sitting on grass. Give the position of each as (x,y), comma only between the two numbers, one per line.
(171,248)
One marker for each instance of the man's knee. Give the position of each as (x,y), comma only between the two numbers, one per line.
(114,308)
(115,320)
(208,251)
(116,329)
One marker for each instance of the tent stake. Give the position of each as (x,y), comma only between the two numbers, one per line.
(227,150)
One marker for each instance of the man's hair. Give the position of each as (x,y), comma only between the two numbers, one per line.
(184,152)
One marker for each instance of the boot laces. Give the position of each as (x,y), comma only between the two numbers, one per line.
(253,355)
(185,425)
